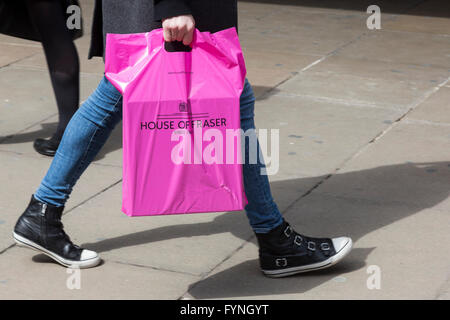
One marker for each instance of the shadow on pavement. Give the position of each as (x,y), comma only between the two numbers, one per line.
(417,186)
(264,92)
(243,279)
(430,8)
(47,129)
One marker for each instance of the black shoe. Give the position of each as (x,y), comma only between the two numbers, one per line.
(40,228)
(46,147)
(284,252)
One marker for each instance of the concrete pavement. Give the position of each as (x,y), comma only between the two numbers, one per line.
(364,119)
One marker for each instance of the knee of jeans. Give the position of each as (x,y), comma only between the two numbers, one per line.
(90,114)
(101,110)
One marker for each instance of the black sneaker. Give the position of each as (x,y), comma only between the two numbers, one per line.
(284,252)
(40,228)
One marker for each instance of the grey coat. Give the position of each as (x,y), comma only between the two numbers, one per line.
(133,16)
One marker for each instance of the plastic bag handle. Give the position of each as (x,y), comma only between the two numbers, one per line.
(176,46)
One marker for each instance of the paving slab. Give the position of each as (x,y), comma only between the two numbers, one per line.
(44,279)
(347,6)
(444,293)
(274,61)
(316,136)
(409,164)
(22,143)
(422,24)
(435,108)
(87,11)
(24,174)
(357,90)
(385,70)
(281,29)
(94,65)
(27,98)
(4,39)
(12,53)
(266,70)
(264,9)
(304,43)
(255,11)
(263,80)
(285,23)
(396,238)
(427,17)
(401,47)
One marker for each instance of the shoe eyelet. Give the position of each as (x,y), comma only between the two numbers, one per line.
(298,240)
(325,246)
(311,246)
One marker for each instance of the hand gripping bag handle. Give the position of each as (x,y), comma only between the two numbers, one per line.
(127,54)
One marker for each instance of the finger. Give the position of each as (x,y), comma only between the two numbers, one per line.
(187,39)
(174,34)
(166,30)
(167,35)
(180,34)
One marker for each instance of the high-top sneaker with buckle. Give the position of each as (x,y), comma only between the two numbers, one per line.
(40,228)
(284,252)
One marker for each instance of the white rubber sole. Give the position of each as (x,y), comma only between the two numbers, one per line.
(89,263)
(311,267)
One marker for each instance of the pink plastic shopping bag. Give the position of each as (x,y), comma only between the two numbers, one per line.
(181,138)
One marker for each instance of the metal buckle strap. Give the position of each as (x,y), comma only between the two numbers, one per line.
(281,262)
(288,231)
(311,246)
(298,240)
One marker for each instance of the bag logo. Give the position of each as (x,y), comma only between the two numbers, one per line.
(184,107)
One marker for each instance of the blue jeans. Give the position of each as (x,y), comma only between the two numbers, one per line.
(91,126)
